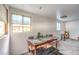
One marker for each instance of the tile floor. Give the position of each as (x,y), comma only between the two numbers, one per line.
(69,47)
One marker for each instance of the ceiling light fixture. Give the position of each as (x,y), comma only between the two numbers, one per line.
(63,16)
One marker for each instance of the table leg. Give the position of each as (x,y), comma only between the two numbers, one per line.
(56,43)
(35,51)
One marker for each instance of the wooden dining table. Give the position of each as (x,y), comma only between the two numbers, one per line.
(36,43)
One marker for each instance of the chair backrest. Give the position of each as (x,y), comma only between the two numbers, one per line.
(31,37)
(50,35)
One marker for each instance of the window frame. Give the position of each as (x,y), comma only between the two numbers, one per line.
(5,21)
(22,23)
(4,29)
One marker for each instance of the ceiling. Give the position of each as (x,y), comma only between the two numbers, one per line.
(51,10)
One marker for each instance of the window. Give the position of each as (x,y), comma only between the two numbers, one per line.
(20,23)
(26,24)
(2,28)
(58,26)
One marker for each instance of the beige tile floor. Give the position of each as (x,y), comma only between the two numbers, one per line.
(69,47)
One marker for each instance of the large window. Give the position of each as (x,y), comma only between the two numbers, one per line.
(58,26)
(20,23)
(2,28)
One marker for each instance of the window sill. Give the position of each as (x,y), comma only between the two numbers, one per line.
(3,36)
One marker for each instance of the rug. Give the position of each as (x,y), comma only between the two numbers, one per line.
(48,51)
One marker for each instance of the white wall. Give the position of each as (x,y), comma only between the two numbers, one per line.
(4,45)
(38,24)
(73,28)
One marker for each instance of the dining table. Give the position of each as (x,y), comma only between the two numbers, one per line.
(37,43)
